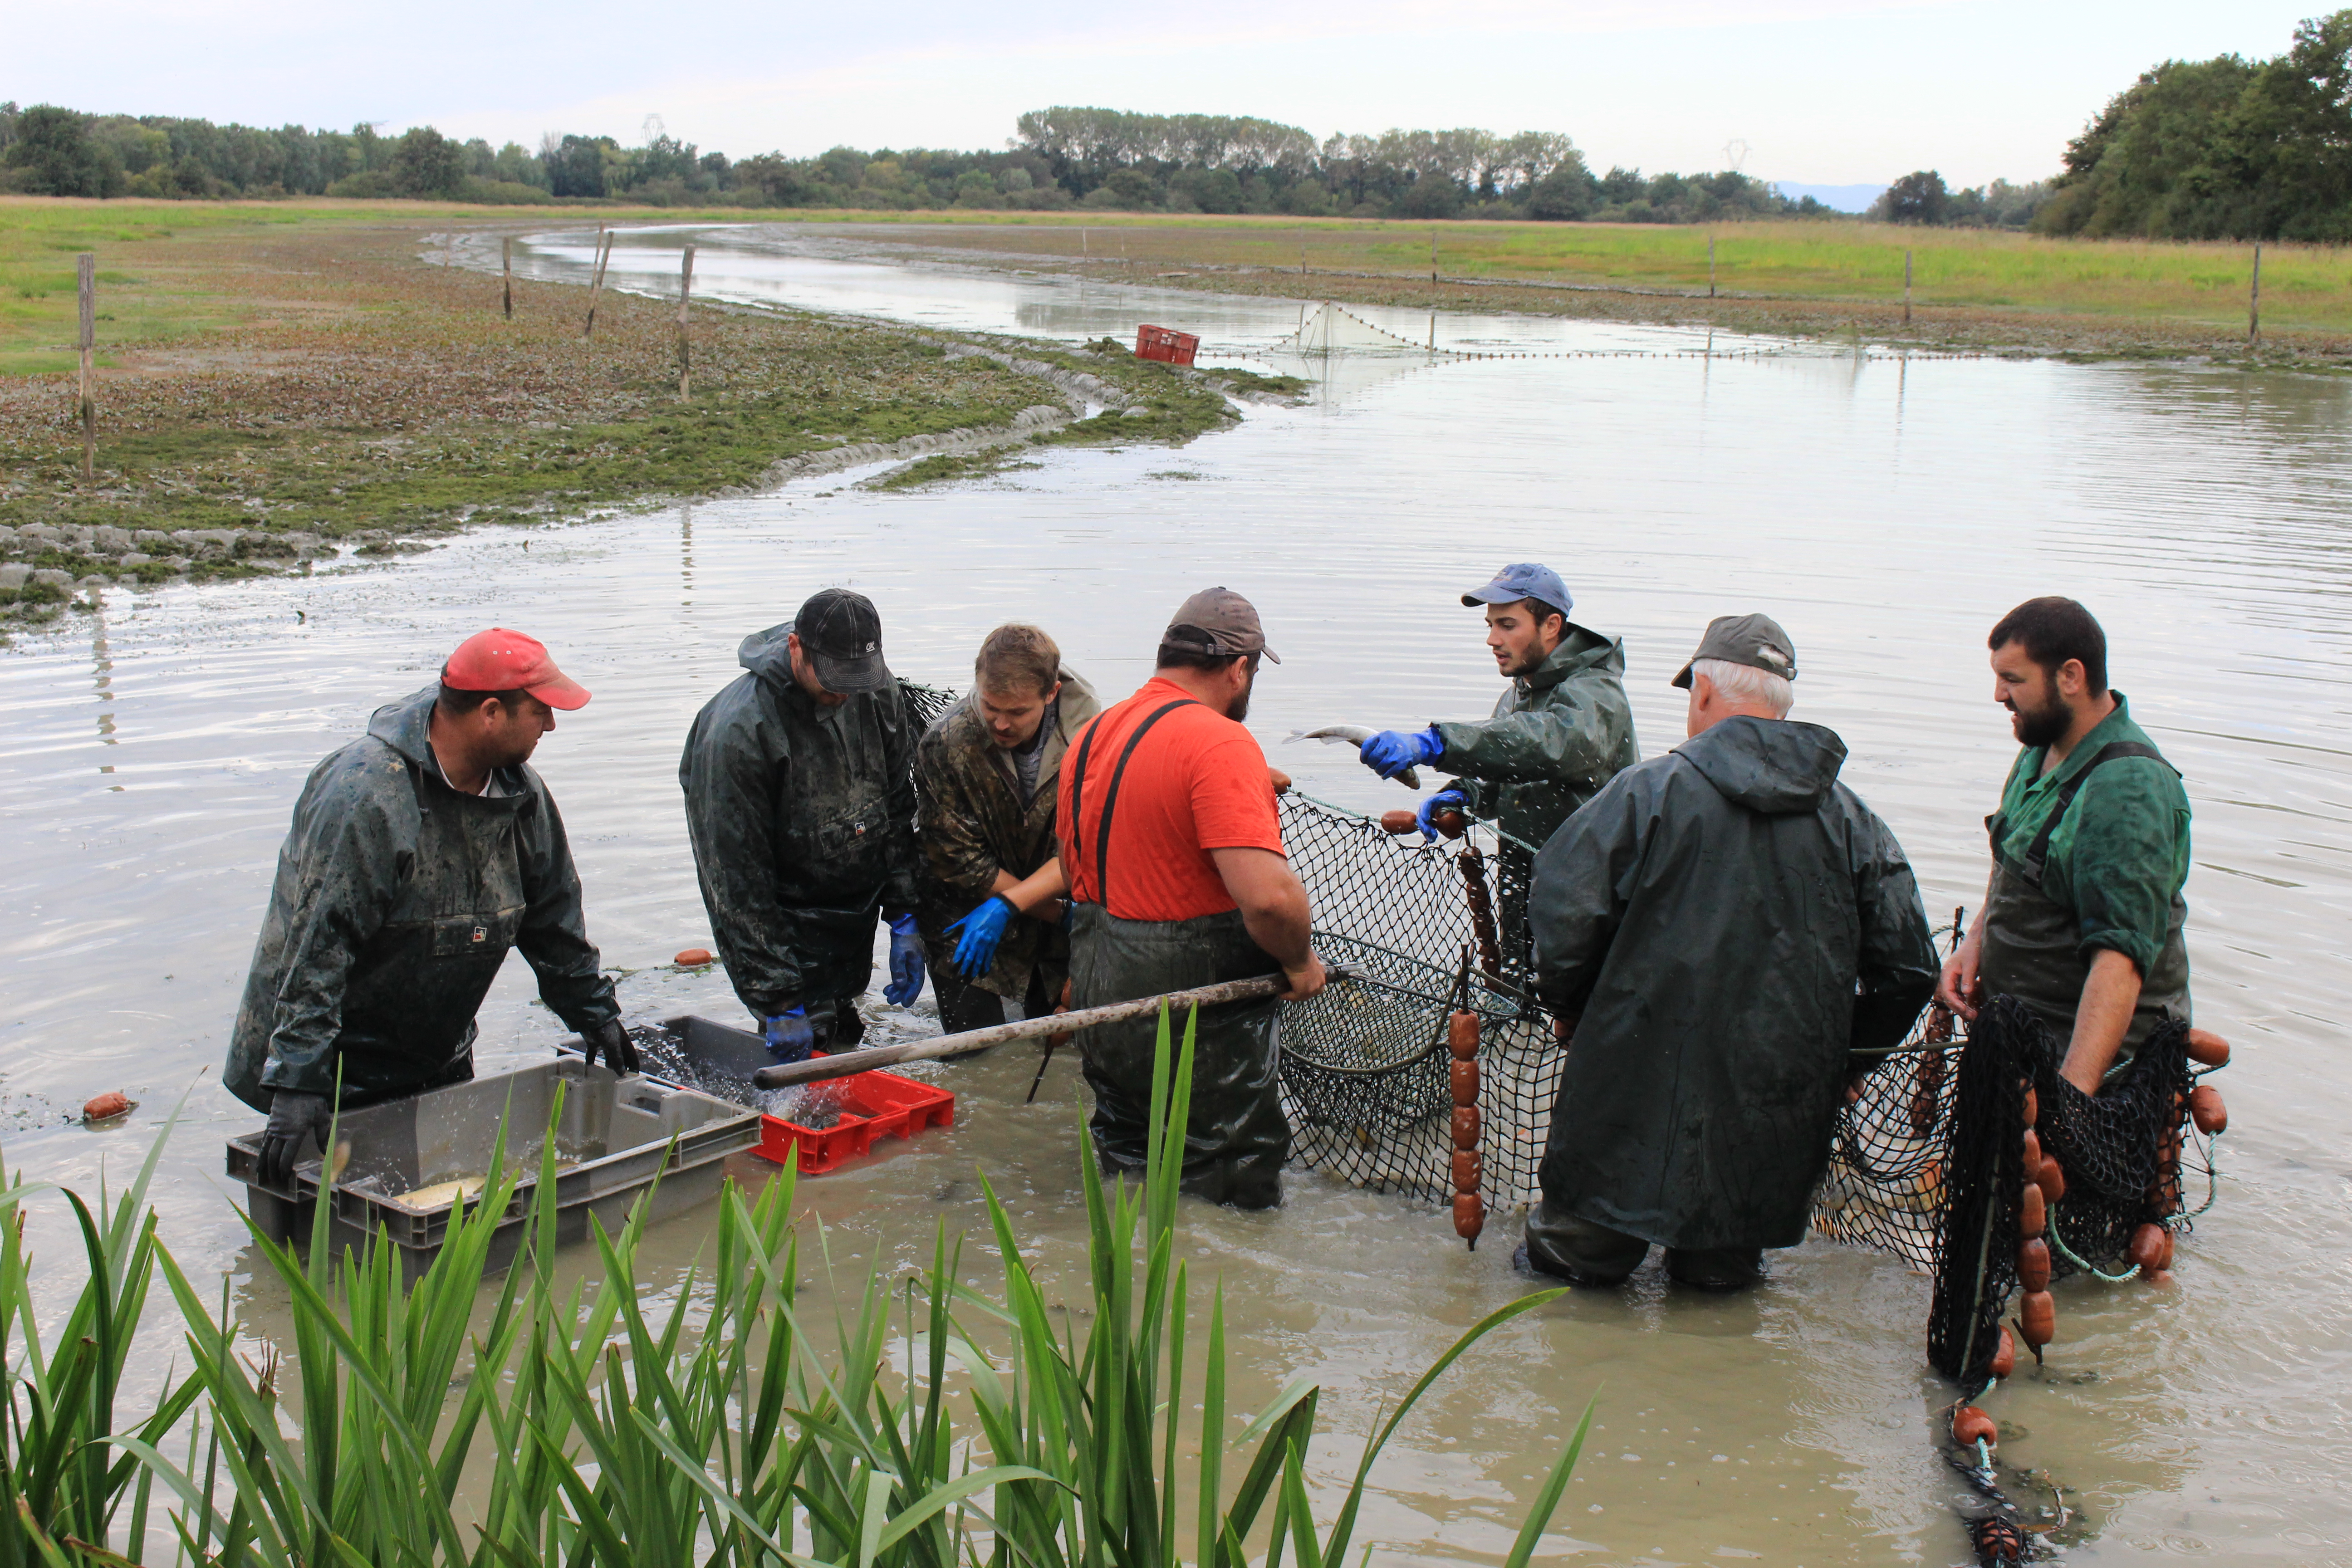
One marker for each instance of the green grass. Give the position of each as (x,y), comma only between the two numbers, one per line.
(933,1426)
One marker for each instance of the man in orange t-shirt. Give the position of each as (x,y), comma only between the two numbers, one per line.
(1177,878)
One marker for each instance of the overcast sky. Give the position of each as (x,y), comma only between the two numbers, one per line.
(1827,92)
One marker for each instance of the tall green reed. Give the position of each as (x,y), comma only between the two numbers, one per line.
(927,1426)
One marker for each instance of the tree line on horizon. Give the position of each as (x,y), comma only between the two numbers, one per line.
(1060,159)
(2222,149)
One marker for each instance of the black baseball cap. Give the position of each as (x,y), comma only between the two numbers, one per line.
(1757,641)
(841,633)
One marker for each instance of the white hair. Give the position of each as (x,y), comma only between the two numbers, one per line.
(1748,686)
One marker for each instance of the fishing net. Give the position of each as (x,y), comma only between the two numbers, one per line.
(1926,1158)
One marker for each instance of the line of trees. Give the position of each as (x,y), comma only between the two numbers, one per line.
(1922,197)
(2221,149)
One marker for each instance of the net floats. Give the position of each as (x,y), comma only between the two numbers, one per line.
(2034,1264)
(2037,1318)
(2004,1355)
(1971,1426)
(1462,1044)
(2032,1219)
(2208,1049)
(693,958)
(2151,1248)
(2205,1110)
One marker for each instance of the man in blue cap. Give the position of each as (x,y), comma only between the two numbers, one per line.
(1560,732)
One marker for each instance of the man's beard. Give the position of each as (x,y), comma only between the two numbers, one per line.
(2042,726)
(1238,709)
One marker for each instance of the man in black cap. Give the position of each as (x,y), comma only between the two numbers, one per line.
(1561,732)
(1722,926)
(800,801)
(1173,853)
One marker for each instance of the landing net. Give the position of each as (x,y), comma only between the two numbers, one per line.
(1926,1161)
(1331,329)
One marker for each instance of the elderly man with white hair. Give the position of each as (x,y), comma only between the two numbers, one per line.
(1721,928)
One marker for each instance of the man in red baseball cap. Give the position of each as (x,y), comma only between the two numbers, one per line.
(419,854)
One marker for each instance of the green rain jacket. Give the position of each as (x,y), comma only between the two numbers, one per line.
(395,902)
(972,825)
(1725,924)
(803,821)
(1557,736)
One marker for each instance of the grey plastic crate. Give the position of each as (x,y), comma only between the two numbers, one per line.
(616,1135)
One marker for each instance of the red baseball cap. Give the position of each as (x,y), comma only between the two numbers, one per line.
(502,660)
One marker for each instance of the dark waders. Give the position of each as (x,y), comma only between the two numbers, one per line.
(1237,1137)
(2031,939)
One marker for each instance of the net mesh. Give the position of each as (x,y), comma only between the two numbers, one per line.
(1926,1158)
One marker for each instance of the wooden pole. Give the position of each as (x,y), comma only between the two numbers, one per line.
(597,282)
(1906,287)
(1433,256)
(685,353)
(505,261)
(1710,267)
(2254,302)
(1433,331)
(818,1068)
(85,277)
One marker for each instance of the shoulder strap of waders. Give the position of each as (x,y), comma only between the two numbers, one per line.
(1110,795)
(2038,852)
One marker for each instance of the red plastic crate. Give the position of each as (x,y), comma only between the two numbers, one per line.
(1160,344)
(874,1105)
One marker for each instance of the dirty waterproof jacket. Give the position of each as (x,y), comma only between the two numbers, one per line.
(395,902)
(1558,735)
(803,821)
(970,824)
(1724,924)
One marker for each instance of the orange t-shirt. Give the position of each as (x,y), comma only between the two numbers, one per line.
(1196,782)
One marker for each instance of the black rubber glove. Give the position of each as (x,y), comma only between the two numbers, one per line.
(296,1119)
(620,1052)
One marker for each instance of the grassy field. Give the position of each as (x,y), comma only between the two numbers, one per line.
(276,371)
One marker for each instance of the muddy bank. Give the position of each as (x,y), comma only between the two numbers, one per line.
(384,401)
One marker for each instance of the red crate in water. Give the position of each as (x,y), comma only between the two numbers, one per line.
(1160,344)
(873,1105)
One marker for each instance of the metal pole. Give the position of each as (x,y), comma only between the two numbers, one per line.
(85,277)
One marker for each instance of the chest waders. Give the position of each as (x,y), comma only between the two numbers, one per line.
(1237,1137)
(2031,939)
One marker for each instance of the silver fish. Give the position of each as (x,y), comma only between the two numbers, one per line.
(1353,735)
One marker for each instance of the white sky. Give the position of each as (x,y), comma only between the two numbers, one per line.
(1827,92)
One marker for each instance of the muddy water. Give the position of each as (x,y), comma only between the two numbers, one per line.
(1886,514)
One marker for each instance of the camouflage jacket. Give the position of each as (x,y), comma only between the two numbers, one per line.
(972,825)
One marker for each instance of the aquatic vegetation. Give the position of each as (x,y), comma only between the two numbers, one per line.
(934,1426)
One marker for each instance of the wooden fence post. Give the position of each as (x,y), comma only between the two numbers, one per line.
(1710,267)
(2255,303)
(1433,256)
(597,282)
(1906,287)
(505,261)
(685,353)
(85,277)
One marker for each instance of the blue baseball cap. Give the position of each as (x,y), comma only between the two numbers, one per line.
(1523,580)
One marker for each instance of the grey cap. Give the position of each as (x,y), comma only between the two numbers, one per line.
(1217,622)
(1523,580)
(841,635)
(1755,641)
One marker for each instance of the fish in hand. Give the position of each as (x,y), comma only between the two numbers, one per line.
(1354,736)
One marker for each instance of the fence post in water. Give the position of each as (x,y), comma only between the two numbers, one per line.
(596,281)
(506,263)
(1906,287)
(1710,267)
(685,354)
(85,277)
(1433,331)
(2255,303)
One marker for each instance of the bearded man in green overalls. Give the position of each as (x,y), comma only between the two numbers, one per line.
(2082,921)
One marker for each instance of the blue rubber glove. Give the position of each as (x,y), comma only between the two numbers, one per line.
(791,1036)
(982,929)
(1392,751)
(906,962)
(1443,800)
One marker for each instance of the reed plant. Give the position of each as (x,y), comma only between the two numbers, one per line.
(928,1426)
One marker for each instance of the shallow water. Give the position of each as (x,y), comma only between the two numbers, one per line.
(1885,513)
